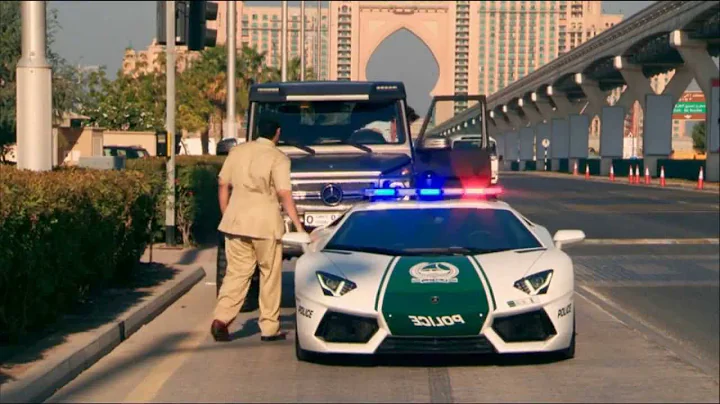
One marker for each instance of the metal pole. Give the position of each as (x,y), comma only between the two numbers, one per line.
(232,52)
(302,40)
(318,42)
(34,92)
(170,122)
(283,43)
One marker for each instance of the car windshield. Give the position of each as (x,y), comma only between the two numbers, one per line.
(433,230)
(313,123)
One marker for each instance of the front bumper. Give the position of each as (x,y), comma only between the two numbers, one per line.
(330,328)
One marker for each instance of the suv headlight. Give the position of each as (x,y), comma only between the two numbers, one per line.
(535,284)
(333,285)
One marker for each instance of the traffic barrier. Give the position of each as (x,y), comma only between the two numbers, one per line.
(700,179)
(587,171)
(662,176)
(612,173)
(647,176)
(575,169)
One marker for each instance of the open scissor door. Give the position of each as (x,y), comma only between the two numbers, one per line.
(449,118)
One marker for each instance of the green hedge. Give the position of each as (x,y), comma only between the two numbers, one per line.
(63,233)
(196,203)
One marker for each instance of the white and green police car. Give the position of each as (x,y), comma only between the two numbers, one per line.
(434,275)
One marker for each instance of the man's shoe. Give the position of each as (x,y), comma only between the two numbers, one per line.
(281,336)
(219,331)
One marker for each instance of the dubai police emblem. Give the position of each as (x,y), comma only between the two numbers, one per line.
(434,272)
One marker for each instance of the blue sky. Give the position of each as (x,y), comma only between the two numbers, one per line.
(97,32)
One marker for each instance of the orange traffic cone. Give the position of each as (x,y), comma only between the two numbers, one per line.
(631,179)
(647,176)
(662,176)
(587,171)
(612,173)
(700,179)
(575,169)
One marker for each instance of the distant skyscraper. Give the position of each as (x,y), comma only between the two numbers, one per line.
(495,42)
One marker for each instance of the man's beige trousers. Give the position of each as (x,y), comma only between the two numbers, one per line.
(242,255)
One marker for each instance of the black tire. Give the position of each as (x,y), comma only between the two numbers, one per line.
(251,301)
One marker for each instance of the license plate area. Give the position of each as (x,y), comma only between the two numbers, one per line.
(317,219)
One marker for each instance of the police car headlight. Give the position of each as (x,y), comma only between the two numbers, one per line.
(535,284)
(333,285)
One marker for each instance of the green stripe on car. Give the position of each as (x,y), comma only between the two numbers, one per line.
(382,281)
(487,281)
(437,296)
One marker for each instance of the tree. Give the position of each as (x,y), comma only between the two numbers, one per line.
(698,137)
(293,71)
(66,79)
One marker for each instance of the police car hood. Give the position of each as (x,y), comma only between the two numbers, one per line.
(361,162)
(423,288)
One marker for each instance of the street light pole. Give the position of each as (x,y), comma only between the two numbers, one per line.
(302,40)
(284,41)
(232,52)
(170,122)
(318,40)
(34,92)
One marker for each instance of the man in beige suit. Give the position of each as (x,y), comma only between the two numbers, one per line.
(259,174)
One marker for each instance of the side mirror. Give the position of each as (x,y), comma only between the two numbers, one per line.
(568,237)
(296,239)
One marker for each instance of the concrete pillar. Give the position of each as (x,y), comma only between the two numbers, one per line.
(657,131)
(596,97)
(560,140)
(500,139)
(697,59)
(706,73)
(579,139)
(543,153)
(637,84)
(543,106)
(563,104)
(612,125)
(533,115)
(511,148)
(527,140)
(713,133)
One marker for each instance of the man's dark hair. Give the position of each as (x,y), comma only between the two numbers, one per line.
(412,116)
(267,127)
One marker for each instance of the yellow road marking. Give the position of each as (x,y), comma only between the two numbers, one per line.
(160,373)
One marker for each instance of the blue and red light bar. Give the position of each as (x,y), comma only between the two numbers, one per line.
(431,192)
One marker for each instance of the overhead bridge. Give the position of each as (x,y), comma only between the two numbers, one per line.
(604,77)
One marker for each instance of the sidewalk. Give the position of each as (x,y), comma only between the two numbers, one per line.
(34,370)
(670,183)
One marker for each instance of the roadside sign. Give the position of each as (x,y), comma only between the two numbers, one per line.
(691,106)
(546,142)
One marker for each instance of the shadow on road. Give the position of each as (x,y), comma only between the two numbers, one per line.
(101,307)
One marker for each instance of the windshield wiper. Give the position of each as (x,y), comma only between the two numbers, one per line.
(355,144)
(298,145)
(371,250)
(455,250)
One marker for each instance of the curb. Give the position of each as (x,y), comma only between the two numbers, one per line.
(651,241)
(675,187)
(43,380)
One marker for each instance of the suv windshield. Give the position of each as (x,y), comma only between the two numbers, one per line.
(433,230)
(313,123)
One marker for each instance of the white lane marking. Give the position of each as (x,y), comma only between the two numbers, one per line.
(650,241)
(651,333)
(210,284)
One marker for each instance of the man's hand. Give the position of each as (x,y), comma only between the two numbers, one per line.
(223,196)
(289,205)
